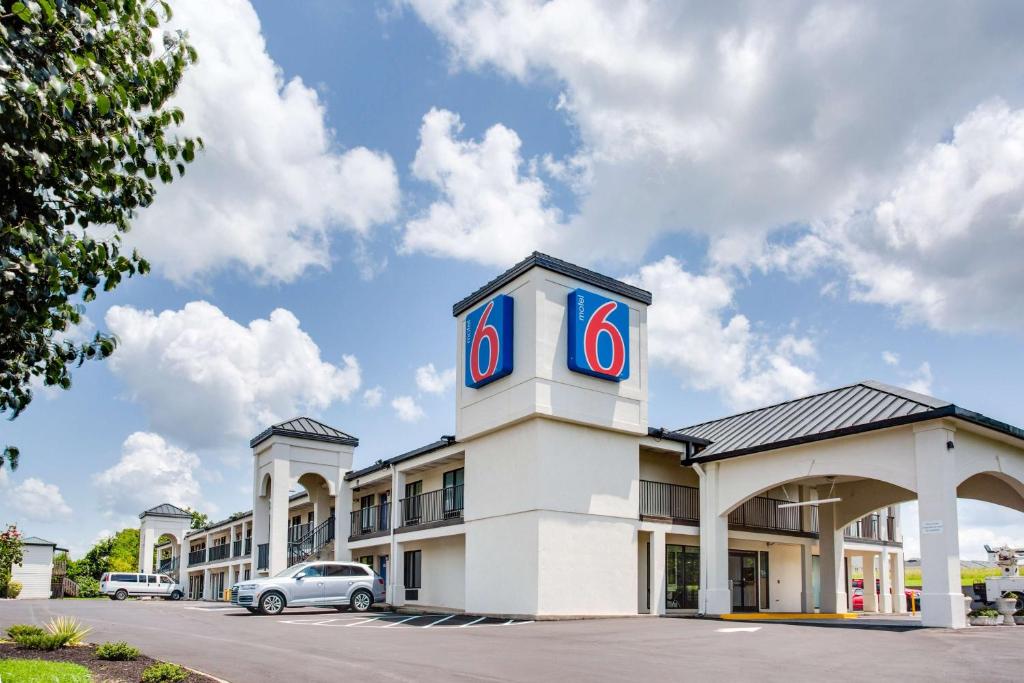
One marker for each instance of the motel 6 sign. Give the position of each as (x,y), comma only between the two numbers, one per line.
(489,342)
(598,336)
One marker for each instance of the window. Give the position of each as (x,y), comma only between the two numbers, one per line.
(453,492)
(311,570)
(413,567)
(366,559)
(413,503)
(127,578)
(366,513)
(248,574)
(164,579)
(309,518)
(296,520)
(346,570)
(682,576)
(152,579)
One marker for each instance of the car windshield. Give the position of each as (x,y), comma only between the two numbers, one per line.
(292,570)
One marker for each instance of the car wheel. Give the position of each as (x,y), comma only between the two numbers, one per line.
(121,594)
(361,601)
(176,595)
(272,603)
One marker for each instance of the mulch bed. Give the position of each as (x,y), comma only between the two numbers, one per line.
(102,671)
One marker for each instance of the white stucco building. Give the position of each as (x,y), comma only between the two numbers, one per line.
(556,498)
(36,572)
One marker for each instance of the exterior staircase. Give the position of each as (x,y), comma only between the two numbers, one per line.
(313,544)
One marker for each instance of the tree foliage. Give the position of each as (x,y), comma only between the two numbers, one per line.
(199,519)
(85,132)
(11,553)
(117,553)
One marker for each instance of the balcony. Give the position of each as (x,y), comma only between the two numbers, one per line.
(434,508)
(875,528)
(248,546)
(669,501)
(762,512)
(370,522)
(219,552)
(297,532)
(197,557)
(262,556)
(236,548)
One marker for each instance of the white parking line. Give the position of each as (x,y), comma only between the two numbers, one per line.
(439,621)
(472,622)
(401,621)
(739,629)
(365,621)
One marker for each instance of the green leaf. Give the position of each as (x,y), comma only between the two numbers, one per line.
(151,18)
(22,12)
(103,104)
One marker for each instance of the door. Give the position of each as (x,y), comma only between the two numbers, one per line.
(337,583)
(166,585)
(743,579)
(152,583)
(308,586)
(382,562)
(453,492)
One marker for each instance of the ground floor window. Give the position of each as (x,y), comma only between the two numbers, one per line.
(682,576)
(248,574)
(413,568)
(367,560)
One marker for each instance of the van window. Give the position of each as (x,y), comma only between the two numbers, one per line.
(152,579)
(164,579)
(126,578)
(106,577)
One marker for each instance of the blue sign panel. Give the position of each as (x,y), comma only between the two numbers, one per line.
(598,336)
(489,342)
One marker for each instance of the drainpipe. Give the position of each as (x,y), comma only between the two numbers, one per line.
(703,561)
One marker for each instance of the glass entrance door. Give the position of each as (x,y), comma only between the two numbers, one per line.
(743,579)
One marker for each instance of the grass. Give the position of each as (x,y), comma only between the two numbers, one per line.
(968,577)
(38,671)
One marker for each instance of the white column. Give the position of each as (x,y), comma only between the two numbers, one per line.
(232,578)
(885,567)
(148,541)
(342,519)
(830,544)
(396,562)
(657,572)
(870,597)
(806,579)
(714,596)
(899,602)
(942,602)
(278,557)
(207,587)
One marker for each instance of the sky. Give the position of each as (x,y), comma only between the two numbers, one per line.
(815,193)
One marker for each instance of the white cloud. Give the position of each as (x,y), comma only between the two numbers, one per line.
(921,380)
(890,358)
(407,409)
(373,396)
(737,122)
(273,181)
(206,380)
(429,380)
(35,500)
(489,212)
(692,332)
(150,472)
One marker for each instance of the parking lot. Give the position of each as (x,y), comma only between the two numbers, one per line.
(327,645)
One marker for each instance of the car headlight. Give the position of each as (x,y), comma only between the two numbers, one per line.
(246,586)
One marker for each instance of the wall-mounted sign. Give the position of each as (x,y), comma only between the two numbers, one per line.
(489,342)
(931,526)
(598,335)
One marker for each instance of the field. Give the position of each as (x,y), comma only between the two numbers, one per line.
(968,577)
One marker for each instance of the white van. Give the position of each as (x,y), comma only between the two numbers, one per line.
(119,586)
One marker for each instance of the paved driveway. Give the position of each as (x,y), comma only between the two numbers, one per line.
(326,645)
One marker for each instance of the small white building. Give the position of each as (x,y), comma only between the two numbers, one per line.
(36,571)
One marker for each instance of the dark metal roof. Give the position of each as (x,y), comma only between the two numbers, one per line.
(861,407)
(305,428)
(35,540)
(166,510)
(384,464)
(539,260)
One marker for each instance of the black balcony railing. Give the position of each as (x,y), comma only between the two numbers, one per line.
(219,552)
(311,544)
(248,546)
(168,565)
(297,532)
(370,520)
(873,527)
(262,555)
(236,548)
(197,556)
(761,512)
(434,506)
(658,499)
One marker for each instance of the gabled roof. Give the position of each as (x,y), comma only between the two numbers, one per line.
(537,259)
(305,428)
(860,407)
(35,540)
(166,510)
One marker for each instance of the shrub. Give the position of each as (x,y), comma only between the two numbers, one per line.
(1011,595)
(70,628)
(24,630)
(13,589)
(164,672)
(88,587)
(986,612)
(117,652)
(45,641)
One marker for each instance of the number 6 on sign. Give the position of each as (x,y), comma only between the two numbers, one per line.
(488,342)
(598,336)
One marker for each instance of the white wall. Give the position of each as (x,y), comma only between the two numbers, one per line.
(784,577)
(443,571)
(34,572)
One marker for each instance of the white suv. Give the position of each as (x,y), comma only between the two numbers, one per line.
(119,586)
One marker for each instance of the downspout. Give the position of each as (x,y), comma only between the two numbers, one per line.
(703,561)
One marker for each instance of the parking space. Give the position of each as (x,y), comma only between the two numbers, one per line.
(398,620)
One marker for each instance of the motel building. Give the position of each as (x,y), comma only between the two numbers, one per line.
(555,498)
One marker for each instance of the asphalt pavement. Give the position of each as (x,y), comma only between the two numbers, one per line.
(327,645)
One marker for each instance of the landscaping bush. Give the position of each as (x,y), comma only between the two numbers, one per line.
(24,630)
(117,652)
(88,587)
(164,672)
(70,628)
(13,589)
(46,641)
(986,612)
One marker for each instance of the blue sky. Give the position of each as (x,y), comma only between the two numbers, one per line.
(369,164)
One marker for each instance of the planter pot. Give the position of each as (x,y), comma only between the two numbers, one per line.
(1006,607)
(1019,621)
(968,601)
(985,621)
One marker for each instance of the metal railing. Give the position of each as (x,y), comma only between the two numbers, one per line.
(370,520)
(262,555)
(197,556)
(248,546)
(219,552)
(168,565)
(433,506)
(873,527)
(297,532)
(236,548)
(312,542)
(658,499)
(762,512)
